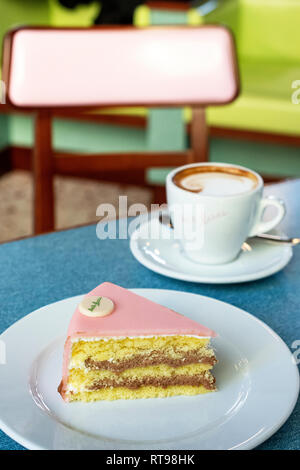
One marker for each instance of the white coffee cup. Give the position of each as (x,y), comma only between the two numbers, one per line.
(213,221)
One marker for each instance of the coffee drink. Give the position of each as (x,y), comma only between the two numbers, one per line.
(215,180)
(215,207)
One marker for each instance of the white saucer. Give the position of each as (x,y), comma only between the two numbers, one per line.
(166,257)
(251,403)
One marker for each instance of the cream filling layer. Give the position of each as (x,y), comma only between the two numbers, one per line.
(207,352)
(115,338)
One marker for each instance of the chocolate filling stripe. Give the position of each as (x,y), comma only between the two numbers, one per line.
(154,359)
(164,382)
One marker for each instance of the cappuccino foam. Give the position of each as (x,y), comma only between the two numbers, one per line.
(215,183)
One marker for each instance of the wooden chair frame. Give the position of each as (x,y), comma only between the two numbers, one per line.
(46,163)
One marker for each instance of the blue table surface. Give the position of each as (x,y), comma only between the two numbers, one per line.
(44,269)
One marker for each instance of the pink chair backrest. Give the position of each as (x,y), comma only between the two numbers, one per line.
(54,67)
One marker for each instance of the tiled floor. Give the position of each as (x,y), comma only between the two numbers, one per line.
(76,202)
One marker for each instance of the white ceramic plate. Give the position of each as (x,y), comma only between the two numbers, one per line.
(165,256)
(257,381)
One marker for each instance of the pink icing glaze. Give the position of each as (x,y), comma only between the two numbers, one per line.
(133,316)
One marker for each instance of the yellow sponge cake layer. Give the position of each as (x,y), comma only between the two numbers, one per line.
(123,393)
(121,348)
(140,367)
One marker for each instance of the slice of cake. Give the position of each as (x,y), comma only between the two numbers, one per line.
(123,346)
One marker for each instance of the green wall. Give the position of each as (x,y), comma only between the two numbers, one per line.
(19,12)
(267,30)
(270,31)
(43,12)
(79,136)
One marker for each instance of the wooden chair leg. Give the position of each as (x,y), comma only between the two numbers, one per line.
(43,175)
(199,137)
(159,195)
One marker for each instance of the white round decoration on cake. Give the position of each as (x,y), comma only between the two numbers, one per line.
(95,306)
